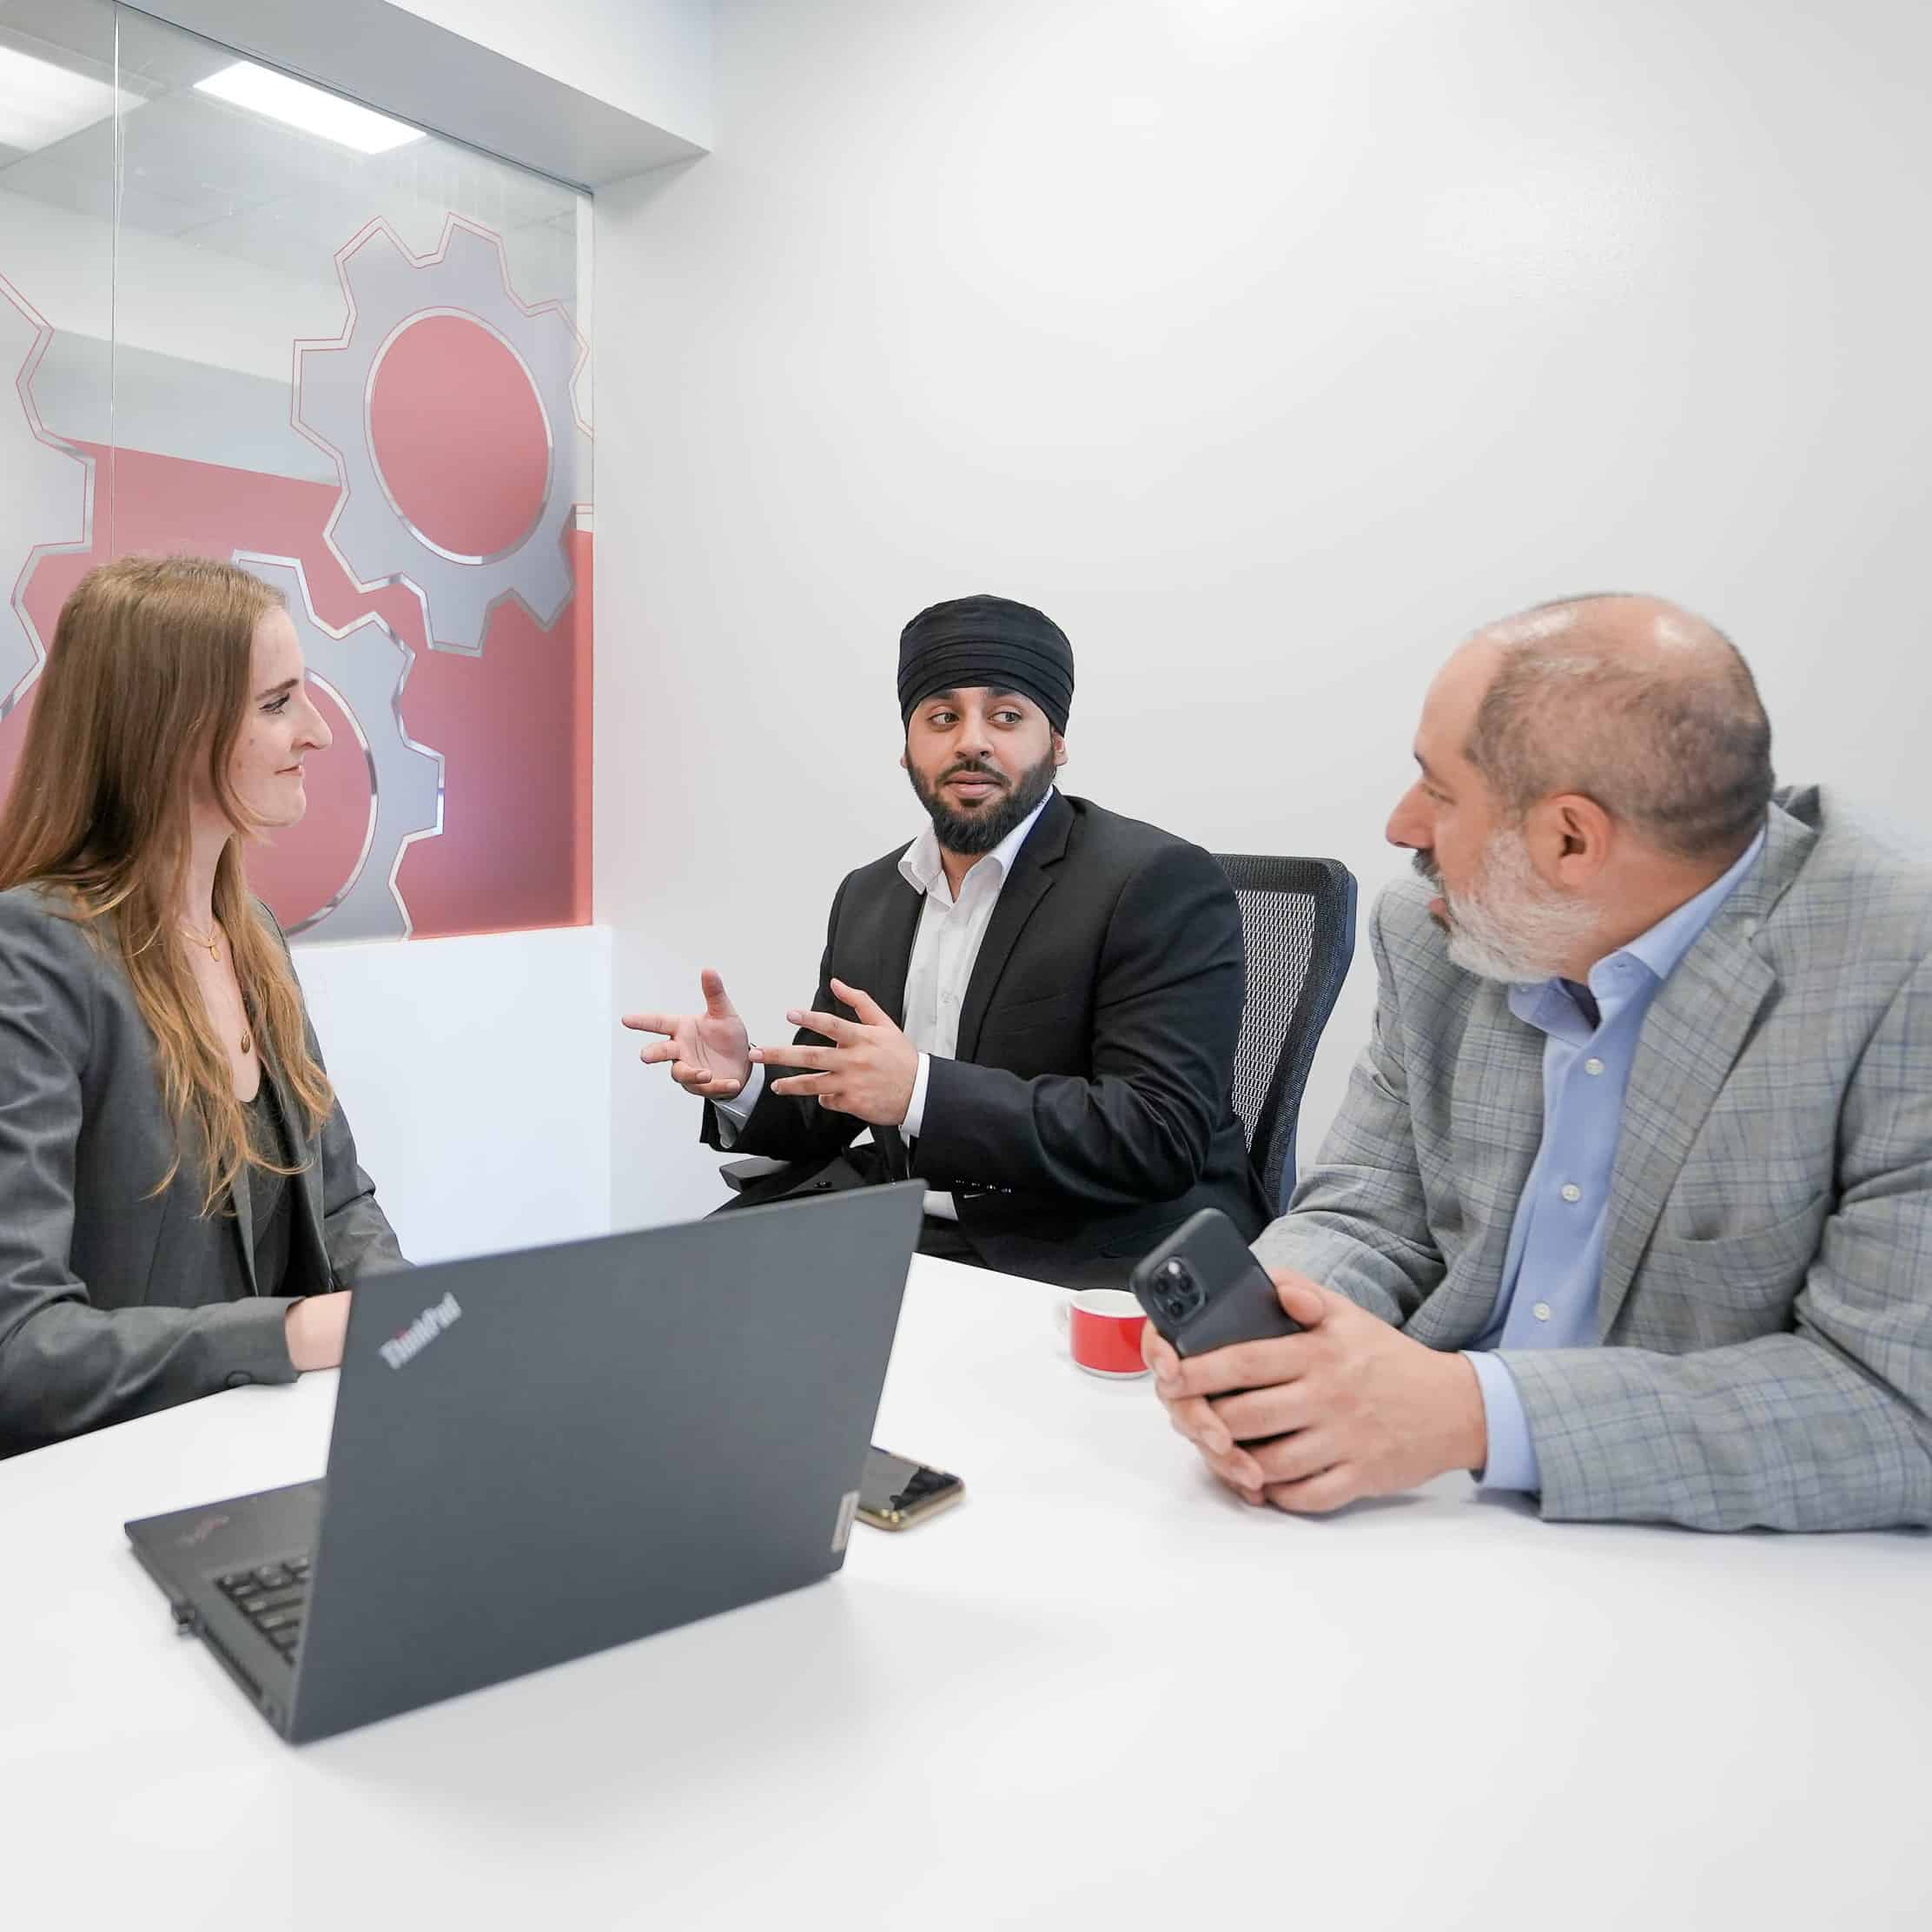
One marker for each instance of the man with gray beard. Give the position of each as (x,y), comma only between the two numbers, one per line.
(1627,1206)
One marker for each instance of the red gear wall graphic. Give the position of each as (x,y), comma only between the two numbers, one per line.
(364,667)
(502,379)
(38,472)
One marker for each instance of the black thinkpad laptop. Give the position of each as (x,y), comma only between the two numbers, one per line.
(538,1455)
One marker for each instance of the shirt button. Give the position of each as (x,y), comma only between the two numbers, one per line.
(1541,1310)
(1592,1066)
(1572,1191)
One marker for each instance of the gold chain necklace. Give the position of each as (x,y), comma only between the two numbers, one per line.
(212,940)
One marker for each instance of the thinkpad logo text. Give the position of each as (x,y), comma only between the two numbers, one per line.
(404,1348)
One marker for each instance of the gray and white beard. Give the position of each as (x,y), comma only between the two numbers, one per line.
(1510,926)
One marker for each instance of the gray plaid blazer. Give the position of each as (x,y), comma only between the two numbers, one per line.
(1765,1310)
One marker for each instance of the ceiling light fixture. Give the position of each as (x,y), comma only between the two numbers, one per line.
(41,102)
(313,109)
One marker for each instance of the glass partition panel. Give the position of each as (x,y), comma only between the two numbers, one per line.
(353,357)
(57,99)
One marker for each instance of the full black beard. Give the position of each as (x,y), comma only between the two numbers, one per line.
(973,835)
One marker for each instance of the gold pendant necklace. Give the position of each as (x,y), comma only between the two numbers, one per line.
(210,941)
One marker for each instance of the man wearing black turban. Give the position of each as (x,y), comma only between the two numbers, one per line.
(1034,1006)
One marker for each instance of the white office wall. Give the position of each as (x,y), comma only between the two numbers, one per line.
(476,1076)
(1269,347)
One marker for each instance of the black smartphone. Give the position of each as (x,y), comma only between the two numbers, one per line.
(895,1492)
(1203,1289)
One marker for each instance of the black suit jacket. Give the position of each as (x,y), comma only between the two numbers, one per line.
(1087,1112)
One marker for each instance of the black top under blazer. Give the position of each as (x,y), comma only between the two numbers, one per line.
(1088,1111)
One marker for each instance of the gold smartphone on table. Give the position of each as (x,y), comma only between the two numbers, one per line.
(895,1492)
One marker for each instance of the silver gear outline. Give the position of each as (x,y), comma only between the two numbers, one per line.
(33,471)
(406,778)
(386,288)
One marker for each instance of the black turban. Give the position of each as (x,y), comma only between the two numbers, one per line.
(987,640)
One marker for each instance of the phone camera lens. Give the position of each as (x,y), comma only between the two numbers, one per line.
(1179,1293)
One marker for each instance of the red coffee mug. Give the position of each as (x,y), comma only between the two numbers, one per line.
(1103,1332)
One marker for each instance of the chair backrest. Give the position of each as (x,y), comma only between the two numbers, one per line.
(1298,918)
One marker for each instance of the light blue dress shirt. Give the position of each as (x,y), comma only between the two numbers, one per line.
(1555,1262)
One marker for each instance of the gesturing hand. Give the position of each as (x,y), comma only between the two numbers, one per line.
(1354,1407)
(869,1070)
(709,1052)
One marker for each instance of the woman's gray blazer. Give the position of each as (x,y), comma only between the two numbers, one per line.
(115,1301)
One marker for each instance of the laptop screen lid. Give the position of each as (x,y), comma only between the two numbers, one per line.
(540,1454)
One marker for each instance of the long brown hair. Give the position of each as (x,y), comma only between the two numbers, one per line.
(146,688)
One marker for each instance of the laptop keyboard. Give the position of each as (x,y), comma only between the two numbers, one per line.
(272,1598)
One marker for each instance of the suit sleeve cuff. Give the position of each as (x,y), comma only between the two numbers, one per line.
(733,1113)
(913,1123)
(1513,1463)
(255,1341)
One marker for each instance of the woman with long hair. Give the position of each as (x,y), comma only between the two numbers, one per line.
(180,1202)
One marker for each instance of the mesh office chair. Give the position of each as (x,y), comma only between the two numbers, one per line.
(1298,918)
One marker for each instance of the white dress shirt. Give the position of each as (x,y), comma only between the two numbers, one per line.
(944,949)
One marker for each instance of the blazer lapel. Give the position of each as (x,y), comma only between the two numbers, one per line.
(1692,1035)
(244,1226)
(876,960)
(890,950)
(308,1182)
(1031,882)
(1495,1128)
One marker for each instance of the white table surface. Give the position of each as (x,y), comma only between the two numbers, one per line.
(1098,1694)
